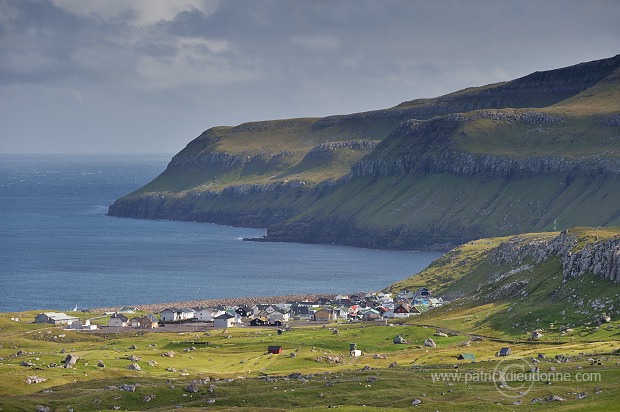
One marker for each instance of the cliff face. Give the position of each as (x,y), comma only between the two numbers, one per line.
(601,257)
(537,153)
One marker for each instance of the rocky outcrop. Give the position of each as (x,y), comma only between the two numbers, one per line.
(431,149)
(599,257)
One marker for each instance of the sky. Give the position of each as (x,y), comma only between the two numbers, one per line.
(148,76)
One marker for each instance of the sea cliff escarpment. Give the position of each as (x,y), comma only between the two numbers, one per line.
(537,153)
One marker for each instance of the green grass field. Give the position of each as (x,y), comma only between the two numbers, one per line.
(242,375)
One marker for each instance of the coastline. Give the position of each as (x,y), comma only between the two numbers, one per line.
(247,301)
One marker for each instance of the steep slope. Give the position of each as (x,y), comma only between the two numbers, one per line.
(535,153)
(539,281)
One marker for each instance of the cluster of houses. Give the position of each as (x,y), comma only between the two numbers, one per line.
(357,307)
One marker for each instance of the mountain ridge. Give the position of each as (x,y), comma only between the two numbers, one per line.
(390,178)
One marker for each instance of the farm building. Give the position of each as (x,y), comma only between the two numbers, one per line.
(55,318)
(276,350)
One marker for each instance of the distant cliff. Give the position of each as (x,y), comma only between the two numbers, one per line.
(537,153)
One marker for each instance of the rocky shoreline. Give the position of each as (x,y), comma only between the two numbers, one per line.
(247,301)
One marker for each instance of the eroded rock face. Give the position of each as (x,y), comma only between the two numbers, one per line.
(601,257)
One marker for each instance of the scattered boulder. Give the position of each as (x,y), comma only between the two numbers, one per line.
(393,365)
(191,388)
(554,398)
(134,358)
(536,334)
(134,367)
(35,379)
(70,360)
(169,369)
(152,363)
(24,363)
(133,347)
(372,379)
(169,354)
(379,356)
(430,343)
(148,398)
(582,395)
(43,408)
(441,334)
(127,388)
(101,364)
(416,402)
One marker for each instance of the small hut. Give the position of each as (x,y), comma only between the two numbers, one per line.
(276,350)
(505,352)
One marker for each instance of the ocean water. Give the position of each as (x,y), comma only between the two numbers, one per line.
(58,249)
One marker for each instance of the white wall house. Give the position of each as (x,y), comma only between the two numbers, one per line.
(169,315)
(225,320)
(274,317)
(118,320)
(207,314)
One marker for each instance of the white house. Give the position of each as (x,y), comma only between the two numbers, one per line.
(78,325)
(169,315)
(207,314)
(118,320)
(186,313)
(225,320)
(278,316)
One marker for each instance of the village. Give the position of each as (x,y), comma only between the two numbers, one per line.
(375,307)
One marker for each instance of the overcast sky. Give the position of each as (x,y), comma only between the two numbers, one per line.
(120,76)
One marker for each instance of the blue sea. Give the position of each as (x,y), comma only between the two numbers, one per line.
(58,249)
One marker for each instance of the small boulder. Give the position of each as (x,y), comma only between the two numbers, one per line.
(191,388)
(536,334)
(416,402)
(441,334)
(430,343)
(71,359)
(35,379)
(169,354)
(134,367)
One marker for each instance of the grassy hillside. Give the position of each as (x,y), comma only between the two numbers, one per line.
(536,153)
(511,298)
(499,294)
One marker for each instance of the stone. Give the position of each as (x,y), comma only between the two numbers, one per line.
(127,388)
(416,402)
(169,354)
(191,388)
(134,367)
(71,359)
(430,343)
(554,398)
(134,358)
(43,408)
(101,364)
(24,363)
(441,334)
(35,379)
